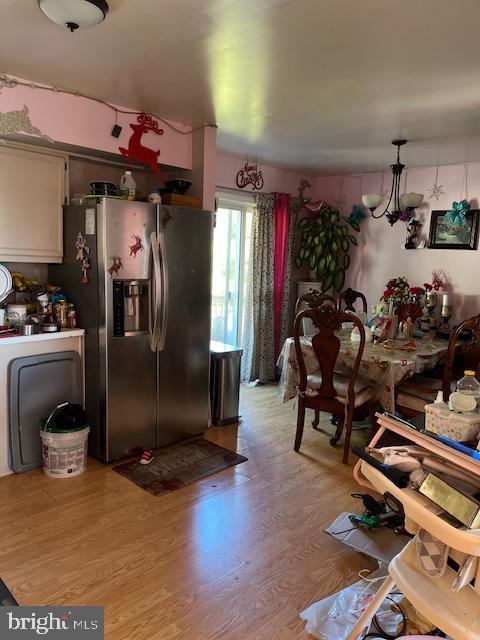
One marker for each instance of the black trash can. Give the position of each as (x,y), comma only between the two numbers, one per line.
(225,362)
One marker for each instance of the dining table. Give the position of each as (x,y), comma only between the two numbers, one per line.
(381,367)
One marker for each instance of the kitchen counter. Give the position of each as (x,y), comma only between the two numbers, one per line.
(19,347)
(39,337)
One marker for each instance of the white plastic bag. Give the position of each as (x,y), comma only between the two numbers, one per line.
(335,616)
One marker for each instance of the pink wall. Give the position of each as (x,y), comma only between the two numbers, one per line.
(381,255)
(85,123)
(275,179)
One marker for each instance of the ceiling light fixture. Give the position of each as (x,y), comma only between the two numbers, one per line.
(75,14)
(396,205)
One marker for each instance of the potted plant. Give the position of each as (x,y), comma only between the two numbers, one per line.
(326,239)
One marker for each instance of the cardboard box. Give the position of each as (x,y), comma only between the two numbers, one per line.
(177,200)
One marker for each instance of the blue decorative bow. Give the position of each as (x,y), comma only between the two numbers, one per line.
(457,214)
(357,214)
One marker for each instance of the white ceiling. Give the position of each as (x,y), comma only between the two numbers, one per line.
(318,85)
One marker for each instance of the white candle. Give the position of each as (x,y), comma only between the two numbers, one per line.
(445,300)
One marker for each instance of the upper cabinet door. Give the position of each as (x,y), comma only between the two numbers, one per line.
(32,193)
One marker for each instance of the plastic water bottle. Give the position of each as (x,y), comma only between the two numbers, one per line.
(127,186)
(469,385)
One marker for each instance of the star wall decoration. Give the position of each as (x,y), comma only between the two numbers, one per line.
(357,214)
(457,214)
(436,190)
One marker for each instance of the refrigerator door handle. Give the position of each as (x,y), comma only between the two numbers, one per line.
(165,292)
(155,291)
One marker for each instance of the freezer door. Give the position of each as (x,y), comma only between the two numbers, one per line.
(129,361)
(183,358)
(89,305)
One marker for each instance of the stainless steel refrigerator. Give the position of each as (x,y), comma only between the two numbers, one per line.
(146,310)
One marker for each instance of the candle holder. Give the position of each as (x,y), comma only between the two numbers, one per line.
(446,314)
(431,305)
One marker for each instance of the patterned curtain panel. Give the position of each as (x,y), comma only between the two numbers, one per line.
(289,287)
(263,352)
(281,214)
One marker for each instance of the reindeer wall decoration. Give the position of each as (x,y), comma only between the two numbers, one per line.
(136,151)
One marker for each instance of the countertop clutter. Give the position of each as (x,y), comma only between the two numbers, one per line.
(32,307)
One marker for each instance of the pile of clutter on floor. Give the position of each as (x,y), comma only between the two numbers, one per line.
(377,532)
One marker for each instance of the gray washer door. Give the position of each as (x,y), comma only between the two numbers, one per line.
(37,384)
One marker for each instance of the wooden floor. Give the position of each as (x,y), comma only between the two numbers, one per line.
(235,556)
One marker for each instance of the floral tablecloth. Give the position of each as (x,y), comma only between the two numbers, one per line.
(382,368)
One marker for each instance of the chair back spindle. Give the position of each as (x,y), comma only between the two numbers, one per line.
(348,298)
(313,299)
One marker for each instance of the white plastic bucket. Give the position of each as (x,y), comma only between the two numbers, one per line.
(64,454)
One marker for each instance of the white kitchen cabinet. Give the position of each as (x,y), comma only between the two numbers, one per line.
(32,193)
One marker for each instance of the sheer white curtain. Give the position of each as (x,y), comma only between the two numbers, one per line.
(247,343)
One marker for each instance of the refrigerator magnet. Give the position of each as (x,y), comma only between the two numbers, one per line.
(136,246)
(82,255)
(116,265)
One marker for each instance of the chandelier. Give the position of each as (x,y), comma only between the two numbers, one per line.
(398,207)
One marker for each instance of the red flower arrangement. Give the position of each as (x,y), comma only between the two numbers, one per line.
(417,291)
(406,299)
(397,290)
(409,310)
(438,281)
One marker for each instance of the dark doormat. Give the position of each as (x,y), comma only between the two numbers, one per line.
(6,598)
(177,465)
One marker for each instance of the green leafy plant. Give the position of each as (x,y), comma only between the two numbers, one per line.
(326,239)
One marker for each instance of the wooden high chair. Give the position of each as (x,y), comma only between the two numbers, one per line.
(456,613)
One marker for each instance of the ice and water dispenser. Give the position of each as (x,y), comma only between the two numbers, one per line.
(130,307)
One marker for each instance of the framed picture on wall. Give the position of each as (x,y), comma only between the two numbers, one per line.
(457,236)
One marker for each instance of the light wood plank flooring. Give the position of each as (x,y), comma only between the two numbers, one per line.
(236,556)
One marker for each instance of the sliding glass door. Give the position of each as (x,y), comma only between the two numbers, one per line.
(231,256)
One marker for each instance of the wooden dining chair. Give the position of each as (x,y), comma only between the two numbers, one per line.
(348,298)
(414,394)
(313,299)
(343,396)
